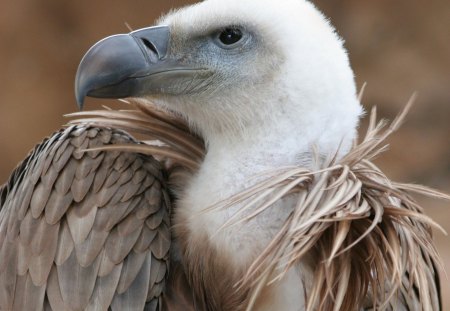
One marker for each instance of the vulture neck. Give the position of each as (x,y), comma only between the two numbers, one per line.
(232,164)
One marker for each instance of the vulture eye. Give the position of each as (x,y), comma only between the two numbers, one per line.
(230,36)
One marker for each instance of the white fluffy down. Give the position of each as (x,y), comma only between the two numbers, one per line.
(309,98)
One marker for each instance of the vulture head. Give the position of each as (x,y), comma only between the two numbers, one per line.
(236,70)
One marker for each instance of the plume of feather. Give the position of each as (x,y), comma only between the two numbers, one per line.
(364,237)
(168,137)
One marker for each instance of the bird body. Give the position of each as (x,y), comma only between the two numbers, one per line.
(253,107)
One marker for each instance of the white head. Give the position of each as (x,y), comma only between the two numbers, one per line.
(287,73)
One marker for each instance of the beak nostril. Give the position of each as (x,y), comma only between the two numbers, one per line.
(150,46)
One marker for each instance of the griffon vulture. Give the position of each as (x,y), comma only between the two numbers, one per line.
(248,195)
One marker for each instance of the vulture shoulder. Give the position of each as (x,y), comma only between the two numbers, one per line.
(84,230)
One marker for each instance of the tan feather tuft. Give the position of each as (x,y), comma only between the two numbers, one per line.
(170,137)
(365,238)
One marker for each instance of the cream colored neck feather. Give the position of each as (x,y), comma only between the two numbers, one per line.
(229,167)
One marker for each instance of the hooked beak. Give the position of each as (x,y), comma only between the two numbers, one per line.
(133,65)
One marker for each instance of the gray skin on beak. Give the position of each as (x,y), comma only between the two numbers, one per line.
(133,65)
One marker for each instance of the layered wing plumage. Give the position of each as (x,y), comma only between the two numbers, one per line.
(84,230)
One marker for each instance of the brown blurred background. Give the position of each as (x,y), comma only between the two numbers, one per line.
(398,47)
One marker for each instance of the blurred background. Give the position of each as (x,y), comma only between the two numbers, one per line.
(397,47)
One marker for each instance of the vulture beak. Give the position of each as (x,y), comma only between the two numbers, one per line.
(133,65)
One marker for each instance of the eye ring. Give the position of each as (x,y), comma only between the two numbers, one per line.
(229,37)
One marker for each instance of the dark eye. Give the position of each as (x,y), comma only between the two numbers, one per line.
(230,36)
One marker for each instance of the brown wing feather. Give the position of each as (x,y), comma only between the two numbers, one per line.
(84,230)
